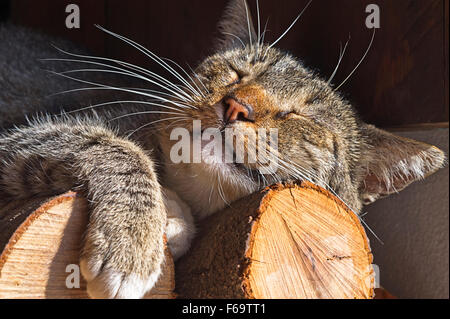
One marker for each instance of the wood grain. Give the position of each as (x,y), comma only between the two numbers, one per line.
(33,261)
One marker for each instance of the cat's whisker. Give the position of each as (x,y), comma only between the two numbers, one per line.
(363,214)
(261,40)
(313,177)
(130,74)
(262,159)
(175,122)
(341,55)
(154,122)
(171,124)
(345,203)
(360,61)
(265,182)
(102,88)
(123,90)
(298,173)
(184,71)
(179,87)
(143,113)
(126,102)
(200,80)
(233,35)
(152,56)
(259,20)
(182,97)
(259,30)
(272,172)
(370,229)
(220,190)
(259,181)
(210,194)
(249,25)
(157,92)
(291,171)
(249,173)
(289,28)
(126,64)
(264,32)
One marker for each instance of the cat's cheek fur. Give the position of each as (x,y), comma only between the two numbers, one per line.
(180,228)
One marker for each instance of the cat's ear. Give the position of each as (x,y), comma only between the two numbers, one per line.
(394,162)
(236,26)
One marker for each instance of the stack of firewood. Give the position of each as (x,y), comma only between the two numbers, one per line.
(288,241)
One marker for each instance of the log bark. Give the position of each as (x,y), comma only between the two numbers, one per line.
(289,241)
(40,238)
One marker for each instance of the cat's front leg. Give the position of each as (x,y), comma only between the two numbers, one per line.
(123,249)
(123,244)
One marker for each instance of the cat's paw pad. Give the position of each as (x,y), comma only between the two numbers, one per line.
(108,283)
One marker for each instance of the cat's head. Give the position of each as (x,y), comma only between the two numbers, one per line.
(249,85)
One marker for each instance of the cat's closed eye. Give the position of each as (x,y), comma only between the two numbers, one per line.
(236,76)
(234,79)
(285,114)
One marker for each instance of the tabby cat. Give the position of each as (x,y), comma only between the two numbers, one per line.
(116,150)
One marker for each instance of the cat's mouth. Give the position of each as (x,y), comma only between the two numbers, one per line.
(230,164)
(220,155)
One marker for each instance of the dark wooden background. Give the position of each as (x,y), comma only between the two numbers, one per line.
(403,81)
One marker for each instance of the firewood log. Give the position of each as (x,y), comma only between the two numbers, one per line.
(39,241)
(289,241)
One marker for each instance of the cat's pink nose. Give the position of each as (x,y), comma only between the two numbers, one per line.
(236,111)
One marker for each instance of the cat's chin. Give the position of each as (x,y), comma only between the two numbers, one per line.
(235,172)
(212,183)
(218,164)
(209,187)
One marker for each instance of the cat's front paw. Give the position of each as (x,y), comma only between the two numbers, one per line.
(119,271)
(110,283)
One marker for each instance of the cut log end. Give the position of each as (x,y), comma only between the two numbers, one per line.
(288,242)
(40,259)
